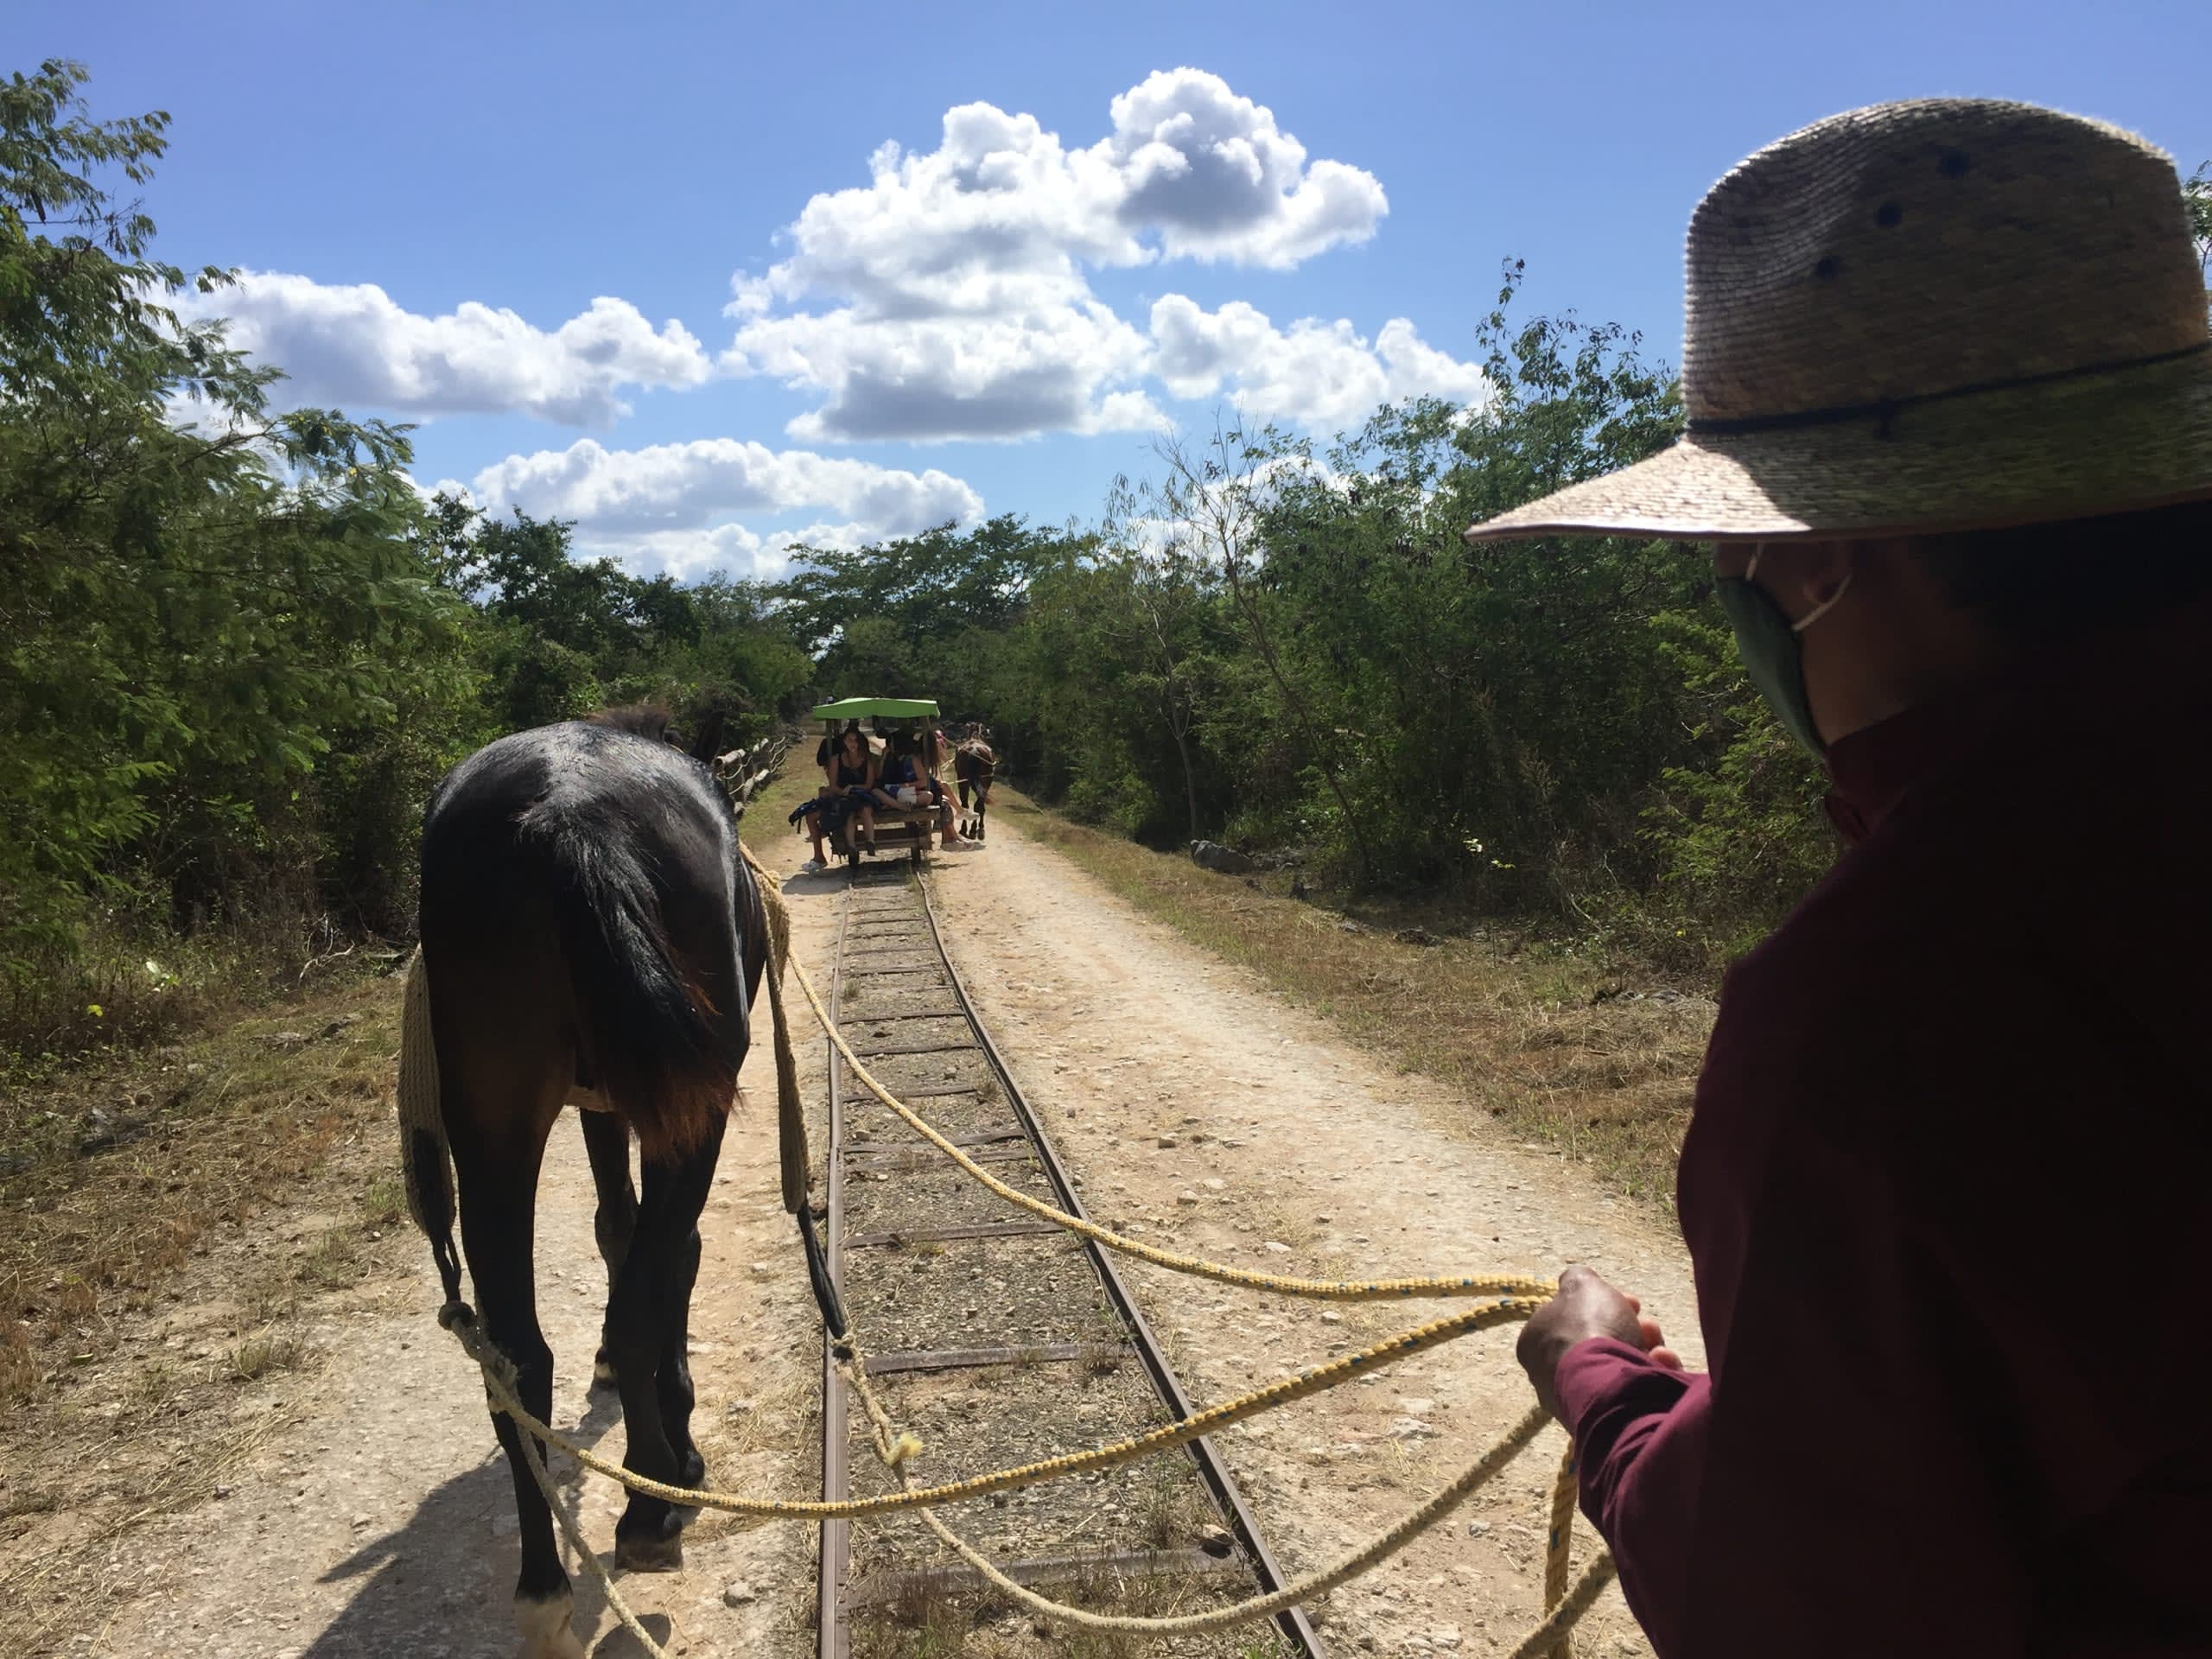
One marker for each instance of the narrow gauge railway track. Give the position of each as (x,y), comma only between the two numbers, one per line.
(997,1337)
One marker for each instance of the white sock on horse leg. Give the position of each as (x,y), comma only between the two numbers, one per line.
(545,1627)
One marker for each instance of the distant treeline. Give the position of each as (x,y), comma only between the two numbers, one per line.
(1291,647)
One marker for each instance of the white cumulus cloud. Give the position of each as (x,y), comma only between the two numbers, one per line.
(1314,373)
(1218,179)
(353,345)
(671,506)
(950,297)
(670,485)
(1045,366)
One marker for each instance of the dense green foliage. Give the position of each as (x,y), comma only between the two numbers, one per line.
(1296,648)
(236,647)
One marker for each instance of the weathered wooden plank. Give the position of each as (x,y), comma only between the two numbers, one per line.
(878,1589)
(962,1359)
(941,1235)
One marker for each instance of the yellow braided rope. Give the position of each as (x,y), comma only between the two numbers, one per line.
(534,1458)
(498,1375)
(1565,1490)
(1357,1290)
(1563,1614)
(1305,1587)
(1519,1297)
(1297,1386)
(1558,1544)
(1588,1585)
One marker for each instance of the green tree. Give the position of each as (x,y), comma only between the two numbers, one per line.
(1115,664)
(738,669)
(2196,193)
(558,636)
(1214,503)
(196,593)
(915,616)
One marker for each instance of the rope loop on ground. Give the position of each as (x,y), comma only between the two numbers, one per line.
(894,1447)
(1548,1637)
(1297,1386)
(1513,1297)
(1353,1290)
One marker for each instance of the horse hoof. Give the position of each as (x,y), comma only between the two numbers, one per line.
(546,1633)
(560,1644)
(603,1370)
(650,1552)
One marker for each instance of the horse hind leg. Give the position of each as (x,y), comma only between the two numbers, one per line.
(615,1223)
(648,1325)
(498,1180)
(672,1375)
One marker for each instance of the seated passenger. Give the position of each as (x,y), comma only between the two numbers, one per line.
(908,768)
(936,755)
(813,811)
(843,793)
(852,776)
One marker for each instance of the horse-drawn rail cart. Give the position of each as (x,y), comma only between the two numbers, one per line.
(908,827)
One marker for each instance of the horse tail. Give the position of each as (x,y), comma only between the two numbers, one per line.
(425,1160)
(653,1042)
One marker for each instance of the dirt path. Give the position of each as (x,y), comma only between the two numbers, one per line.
(1201,1109)
(1191,1104)
(381,1526)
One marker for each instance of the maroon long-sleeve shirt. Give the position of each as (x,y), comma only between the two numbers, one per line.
(1947,1193)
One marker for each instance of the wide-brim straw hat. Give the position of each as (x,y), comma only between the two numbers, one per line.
(1946,315)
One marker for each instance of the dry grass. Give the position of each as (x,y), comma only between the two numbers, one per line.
(1173,1507)
(761,1423)
(166,1217)
(262,1354)
(150,1270)
(1537,1037)
(384,1204)
(124,1171)
(922,1624)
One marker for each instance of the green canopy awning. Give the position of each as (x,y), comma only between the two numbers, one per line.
(876,707)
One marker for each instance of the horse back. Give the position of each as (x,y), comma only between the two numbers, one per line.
(581,902)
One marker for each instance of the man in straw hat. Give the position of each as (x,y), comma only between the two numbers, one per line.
(1949,394)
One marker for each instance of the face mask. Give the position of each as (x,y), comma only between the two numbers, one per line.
(1773,656)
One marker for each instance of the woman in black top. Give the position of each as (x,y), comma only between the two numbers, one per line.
(852,773)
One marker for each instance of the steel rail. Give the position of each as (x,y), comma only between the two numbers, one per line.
(836,1548)
(1290,1623)
(840,1594)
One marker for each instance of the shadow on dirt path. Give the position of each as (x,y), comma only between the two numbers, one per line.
(415,1594)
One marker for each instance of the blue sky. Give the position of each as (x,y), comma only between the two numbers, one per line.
(525,227)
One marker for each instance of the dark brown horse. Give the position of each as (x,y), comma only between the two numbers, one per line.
(590,935)
(973,767)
